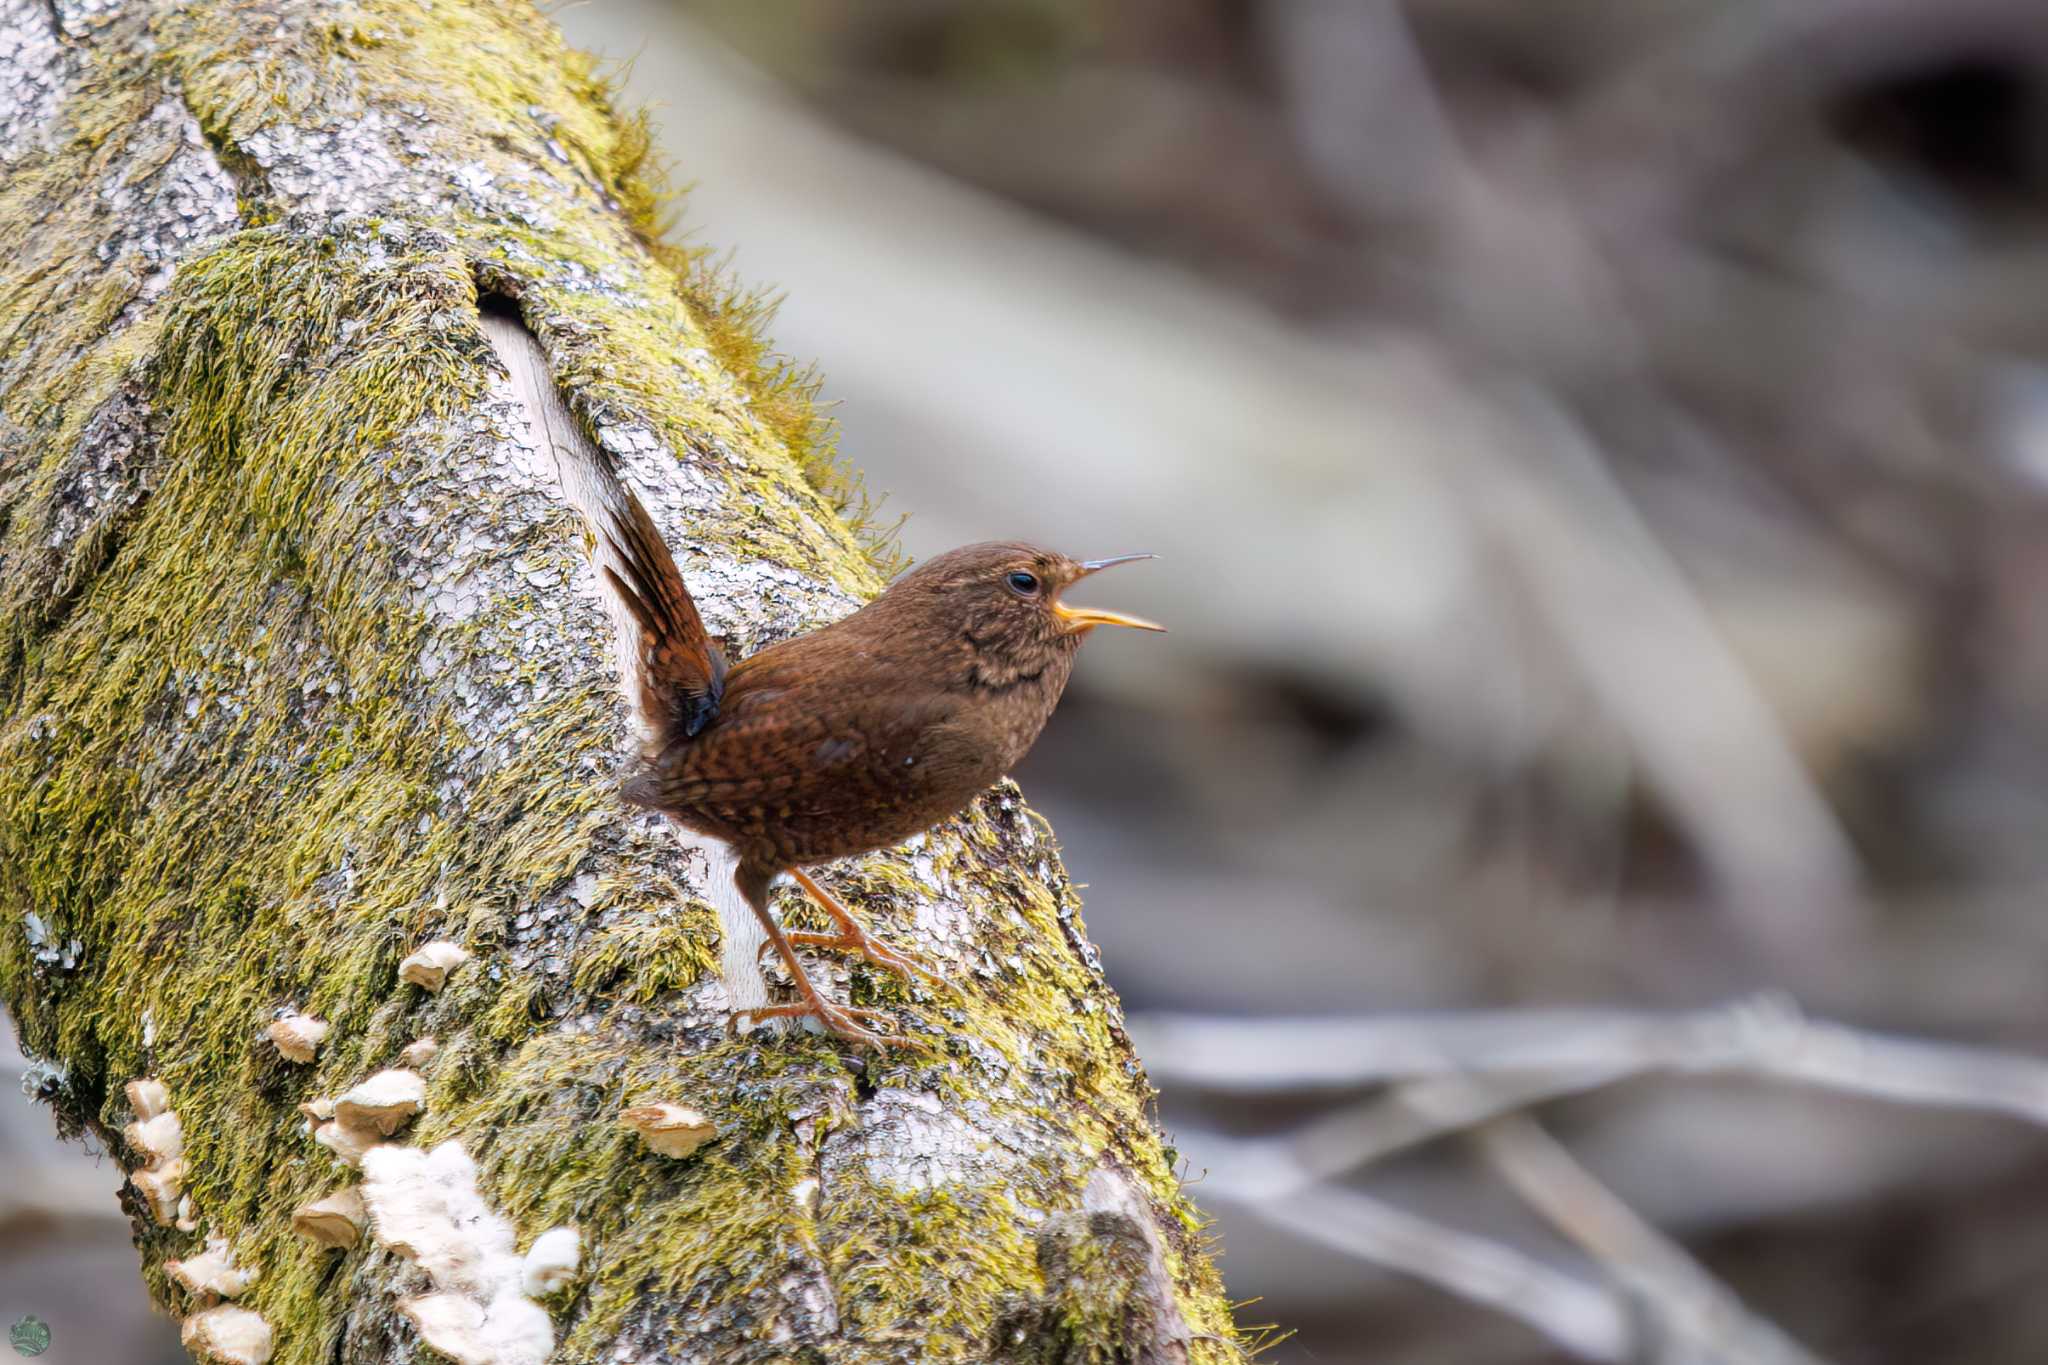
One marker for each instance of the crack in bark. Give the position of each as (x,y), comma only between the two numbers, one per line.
(252,182)
(820,1275)
(91,510)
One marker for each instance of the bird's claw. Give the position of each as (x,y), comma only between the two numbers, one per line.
(902,961)
(841,1021)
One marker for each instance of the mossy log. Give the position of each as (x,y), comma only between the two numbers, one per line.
(302,667)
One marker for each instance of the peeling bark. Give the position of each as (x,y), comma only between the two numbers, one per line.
(302,669)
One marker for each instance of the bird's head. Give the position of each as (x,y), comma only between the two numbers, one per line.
(1003,601)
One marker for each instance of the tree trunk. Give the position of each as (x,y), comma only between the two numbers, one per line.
(302,669)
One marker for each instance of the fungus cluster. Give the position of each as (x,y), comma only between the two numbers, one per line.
(159,1137)
(425,1207)
(422,1205)
(215,1331)
(373,1111)
(350,1127)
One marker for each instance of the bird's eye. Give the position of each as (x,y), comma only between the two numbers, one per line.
(1024,584)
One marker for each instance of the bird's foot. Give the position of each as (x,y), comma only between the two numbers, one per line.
(841,1021)
(902,961)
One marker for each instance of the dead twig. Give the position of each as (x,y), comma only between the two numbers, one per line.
(1690,1305)
(1559,1052)
(1585,1319)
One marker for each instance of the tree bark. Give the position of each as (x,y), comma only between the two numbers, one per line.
(302,669)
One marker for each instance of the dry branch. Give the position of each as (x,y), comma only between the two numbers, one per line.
(1480,1072)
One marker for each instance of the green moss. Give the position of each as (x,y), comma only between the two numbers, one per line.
(225,771)
(1093,1310)
(491,67)
(947,1257)
(647,954)
(55,375)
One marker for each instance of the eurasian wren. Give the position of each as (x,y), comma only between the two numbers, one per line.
(852,737)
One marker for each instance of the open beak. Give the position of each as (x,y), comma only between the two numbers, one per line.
(1087,618)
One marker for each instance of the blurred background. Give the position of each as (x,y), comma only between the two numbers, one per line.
(1576,869)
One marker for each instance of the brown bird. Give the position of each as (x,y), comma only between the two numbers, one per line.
(850,738)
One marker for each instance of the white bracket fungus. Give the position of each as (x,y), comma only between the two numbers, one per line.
(386,1101)
(551,1262)
(429,965)
(148,1097)
(669,1129)
(233,1336)
(211,1274)
(347,1141)
(509,1330)
(336,1221)
(298,1036)
(160,1138)
(162,1186)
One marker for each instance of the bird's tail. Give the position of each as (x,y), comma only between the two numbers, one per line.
(666,656)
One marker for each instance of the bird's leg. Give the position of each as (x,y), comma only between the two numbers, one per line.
(844,1021)
(853,938)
